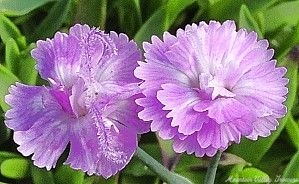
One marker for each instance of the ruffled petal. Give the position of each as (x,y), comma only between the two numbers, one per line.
(153,111)
(58,59)
(126,113)
(117,147)
(190,145)
(158,66)
(120,66)
(99,146)
(40,124)
(174,96)
(232,111)
(263,127)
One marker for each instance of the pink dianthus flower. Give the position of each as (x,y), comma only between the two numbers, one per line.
(90,103)
(210,85)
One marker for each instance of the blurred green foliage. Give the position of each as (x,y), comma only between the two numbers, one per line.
(274,159)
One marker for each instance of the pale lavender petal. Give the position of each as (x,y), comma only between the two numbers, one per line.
(118,68)
(126,112)
(190,145)
(229,110)
(116,150)
(58,60)
(173,96)
(153,111)
(180,101)
(28,105)
(40,124)
(100,146)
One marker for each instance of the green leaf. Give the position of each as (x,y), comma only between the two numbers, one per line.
(155,25)
(41,176)
(161,171)
(292,40)
(100,180)
(231,159)
(254,175)
(9,30)
(12,53)
(129,15)
(148,7)
(129,179)
(285,13)
(161,20)
(6,80)
(253,151)
(246,20)
(65,175)
(229,9)
(173,9)
(292,129)
(248,175)
(27,72)
(137,168)
(15,168)
(292,171)
(4,155)
(4,133)
(190,172)
(21,63)
(92,12)
(20,7)
(53,21)
(233,175)
(277,157)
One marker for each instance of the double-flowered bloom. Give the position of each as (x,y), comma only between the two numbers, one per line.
(90,103)
(210,85)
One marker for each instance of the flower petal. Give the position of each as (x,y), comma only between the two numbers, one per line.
(58,60)
(126,113)
(153,111)
(190,145)
(119,67)
(232,111)
(40,124)
(98,148)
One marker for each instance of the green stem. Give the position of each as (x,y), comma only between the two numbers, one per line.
(211,173)
(166,175)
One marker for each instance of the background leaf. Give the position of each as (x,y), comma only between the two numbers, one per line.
(246,20)
(92,12)
(19,7)
(282,14)
(293,131)
(15,168)
(65,175)
(9,30)
(161,20)
(53,21)
(26,70)
(12,55)
(40,176)
(6,79)
(292,171)
(129,14)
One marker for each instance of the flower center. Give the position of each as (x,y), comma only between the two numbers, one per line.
(62,98)
(214,86)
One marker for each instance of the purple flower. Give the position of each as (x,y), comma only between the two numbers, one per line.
(90,103)
(210,85)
